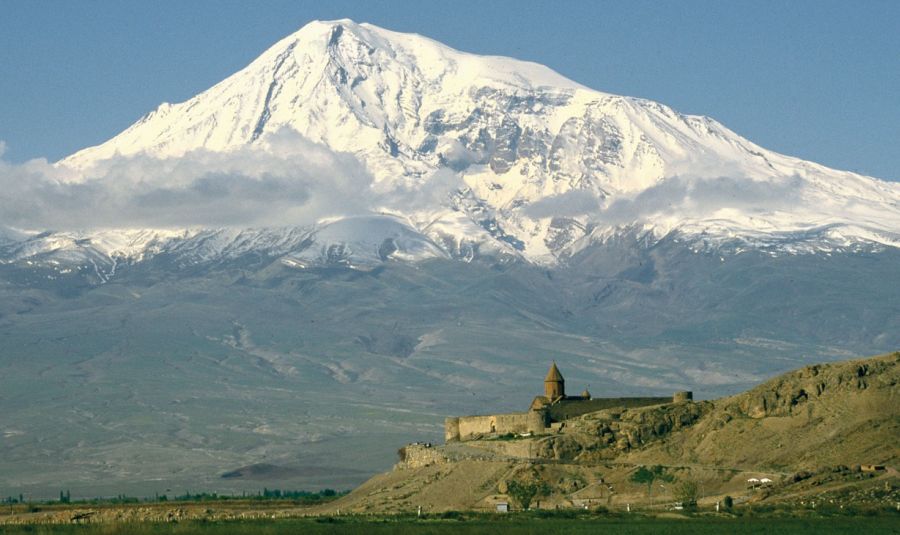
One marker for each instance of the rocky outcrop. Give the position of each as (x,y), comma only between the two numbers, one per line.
(606,434)
(789,393)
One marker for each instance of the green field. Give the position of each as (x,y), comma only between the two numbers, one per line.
(674,526)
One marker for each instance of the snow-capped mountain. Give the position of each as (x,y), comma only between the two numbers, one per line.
(363,232)
(545,167)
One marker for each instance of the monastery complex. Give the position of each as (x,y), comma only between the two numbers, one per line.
(546,414)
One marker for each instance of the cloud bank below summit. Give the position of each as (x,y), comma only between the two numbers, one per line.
(287,181)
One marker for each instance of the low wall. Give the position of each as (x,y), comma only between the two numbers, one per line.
(420,455)
(523,447)
(565,409)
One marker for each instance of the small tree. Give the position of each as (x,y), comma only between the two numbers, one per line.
(728,502)
(646,476)
(524,493)
(687,492)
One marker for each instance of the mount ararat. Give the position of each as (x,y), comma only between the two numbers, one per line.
(363,231)
(474,155)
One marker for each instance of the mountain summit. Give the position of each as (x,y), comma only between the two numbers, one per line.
(542,166)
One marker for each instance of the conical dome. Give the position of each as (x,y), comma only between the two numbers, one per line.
(553,375)
(554,384)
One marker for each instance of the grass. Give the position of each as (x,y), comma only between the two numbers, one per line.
(512,524)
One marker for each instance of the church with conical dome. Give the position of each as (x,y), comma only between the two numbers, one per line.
(554,384)
(555,390)
(546,414)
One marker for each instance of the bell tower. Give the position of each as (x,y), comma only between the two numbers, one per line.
(554,384)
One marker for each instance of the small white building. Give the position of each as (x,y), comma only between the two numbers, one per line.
(503,507)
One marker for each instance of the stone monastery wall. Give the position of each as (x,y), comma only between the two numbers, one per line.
(469,427)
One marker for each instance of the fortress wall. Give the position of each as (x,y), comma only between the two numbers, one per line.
(469,427)
(451,429)
(517,422)
(464,428)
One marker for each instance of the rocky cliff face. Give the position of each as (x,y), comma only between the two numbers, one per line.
(800,391)
(836,414)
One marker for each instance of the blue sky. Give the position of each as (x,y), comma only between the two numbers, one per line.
(814,79)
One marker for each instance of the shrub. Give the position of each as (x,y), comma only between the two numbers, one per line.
(564,513)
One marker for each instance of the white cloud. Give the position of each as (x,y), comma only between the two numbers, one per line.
(691,197)
(572,203)
(286,180)
(432,191)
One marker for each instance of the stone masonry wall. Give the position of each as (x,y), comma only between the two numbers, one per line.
(471,427)
(421,455)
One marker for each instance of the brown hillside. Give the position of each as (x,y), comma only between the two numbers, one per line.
(845,413)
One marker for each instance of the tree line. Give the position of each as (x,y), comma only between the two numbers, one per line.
(301,496)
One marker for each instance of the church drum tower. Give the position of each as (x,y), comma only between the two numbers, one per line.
(554,384)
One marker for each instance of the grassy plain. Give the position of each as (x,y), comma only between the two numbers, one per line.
(513,524)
